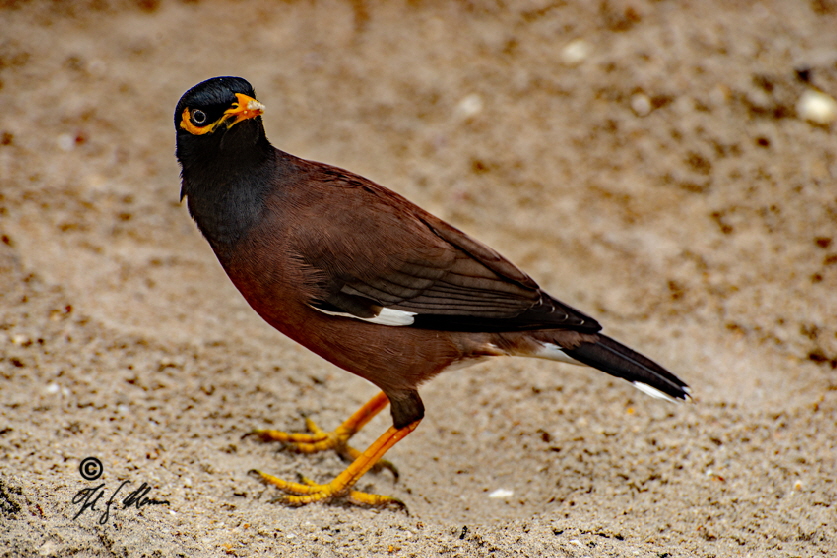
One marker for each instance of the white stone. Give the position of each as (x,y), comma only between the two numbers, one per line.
(502,493)
(575,52)
(470,106)
(817,107)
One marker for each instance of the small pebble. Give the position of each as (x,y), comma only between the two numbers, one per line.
(501,493)
(817,107)
(469,106)
(66,142)
(641,104)
(575,52)
(49,548)
(19,339)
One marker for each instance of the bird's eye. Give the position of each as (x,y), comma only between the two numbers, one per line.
(198,117)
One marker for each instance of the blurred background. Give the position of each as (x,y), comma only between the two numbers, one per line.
(668,167)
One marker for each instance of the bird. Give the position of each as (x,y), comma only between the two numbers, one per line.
(367,280)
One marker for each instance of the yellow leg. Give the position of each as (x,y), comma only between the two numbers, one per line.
(300,494)
(319,440)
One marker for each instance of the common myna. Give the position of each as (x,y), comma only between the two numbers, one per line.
(366,279)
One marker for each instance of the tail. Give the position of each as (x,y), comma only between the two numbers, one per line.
(608,355)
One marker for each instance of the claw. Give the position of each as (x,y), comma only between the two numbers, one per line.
(307,491)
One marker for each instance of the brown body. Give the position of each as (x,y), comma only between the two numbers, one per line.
(272,263)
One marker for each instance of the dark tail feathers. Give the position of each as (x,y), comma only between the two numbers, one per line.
(608,355)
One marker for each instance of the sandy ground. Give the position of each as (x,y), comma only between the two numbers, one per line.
(645,161)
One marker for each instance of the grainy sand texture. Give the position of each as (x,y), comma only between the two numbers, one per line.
(653,163)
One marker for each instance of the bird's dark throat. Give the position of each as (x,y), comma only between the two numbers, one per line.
(226,182)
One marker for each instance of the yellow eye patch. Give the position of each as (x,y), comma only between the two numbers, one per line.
(245,108)
(187,124)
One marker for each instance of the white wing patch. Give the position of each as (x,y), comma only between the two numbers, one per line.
(387,317)
(551,351)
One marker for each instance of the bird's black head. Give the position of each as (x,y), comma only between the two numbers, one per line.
(202,108)
(218,121)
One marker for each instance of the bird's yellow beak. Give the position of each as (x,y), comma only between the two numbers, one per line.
(244,109)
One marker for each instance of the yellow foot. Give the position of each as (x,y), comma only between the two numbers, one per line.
(318,440)
(308,491)
(299,494)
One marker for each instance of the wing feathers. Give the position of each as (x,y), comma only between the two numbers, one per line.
(425,267)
